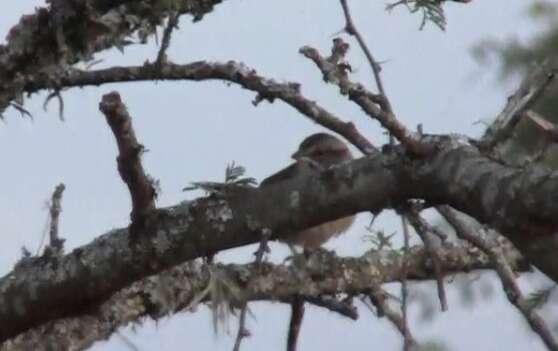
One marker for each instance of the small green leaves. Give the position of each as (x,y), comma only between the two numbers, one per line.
(431,11)
(539,298)
(233,178)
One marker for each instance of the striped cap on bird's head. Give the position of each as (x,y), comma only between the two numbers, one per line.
(324,149)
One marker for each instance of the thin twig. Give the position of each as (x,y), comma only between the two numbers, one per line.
(295,322)
(263,248)
(44,232)
(376,68)
(331,303)
(440,234)
(242,331)
(56,94)
(424,230)
(129,343)
(407,338)
(505,273)
(56,244)
(171,24)
(334,70)
(378,297)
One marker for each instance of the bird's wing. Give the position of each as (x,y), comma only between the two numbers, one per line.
(284,174)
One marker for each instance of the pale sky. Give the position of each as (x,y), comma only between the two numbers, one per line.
(193,130)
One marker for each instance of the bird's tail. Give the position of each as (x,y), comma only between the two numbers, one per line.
(297,313)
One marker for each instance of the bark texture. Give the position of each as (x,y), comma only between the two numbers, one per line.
(518,202)
(183,287)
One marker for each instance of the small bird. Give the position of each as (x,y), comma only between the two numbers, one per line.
(320,150)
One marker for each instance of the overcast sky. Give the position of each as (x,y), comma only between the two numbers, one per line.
(193,129)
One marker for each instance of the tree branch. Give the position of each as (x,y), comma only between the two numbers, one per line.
(56,244)
(522,204)
(351,29)
(130,168)
(235,72)
(424,230)
(165,42)
(263,248)
(505,273)
(532,87)
(103,24)
(174,290)
(378,297)
(334,70)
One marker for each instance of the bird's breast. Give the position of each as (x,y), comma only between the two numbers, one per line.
(314,237)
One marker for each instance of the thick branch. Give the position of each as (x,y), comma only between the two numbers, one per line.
(93,272)
(174,290)
(518,202)
(522,204)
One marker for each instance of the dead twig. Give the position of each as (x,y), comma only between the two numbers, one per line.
(56,244)
(547,127)
(131,171)
(167,33)
(263,248)
(344,308)
(351,29)
(424,230)
(295,323)
(335,70)
(408,342)
(530,90)
(505,273)
(378,297)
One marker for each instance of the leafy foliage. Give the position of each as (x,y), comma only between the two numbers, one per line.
(430,10)
(539,298)
(379,239)
(233,178)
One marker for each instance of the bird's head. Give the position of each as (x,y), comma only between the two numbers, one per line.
(324,149)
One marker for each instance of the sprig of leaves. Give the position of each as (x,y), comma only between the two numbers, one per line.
(540,297)
(233,178)
(379,239)
(431,11)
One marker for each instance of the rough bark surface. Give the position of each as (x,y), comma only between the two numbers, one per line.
(183,286)
(69,301)
(44,44)
(519,203)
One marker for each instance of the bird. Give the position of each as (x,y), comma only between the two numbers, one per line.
(321,150)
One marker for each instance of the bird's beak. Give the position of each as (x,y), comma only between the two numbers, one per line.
(297,155)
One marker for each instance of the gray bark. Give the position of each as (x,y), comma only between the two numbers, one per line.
(180,288)
(519,203)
